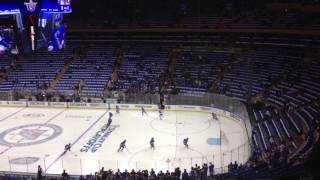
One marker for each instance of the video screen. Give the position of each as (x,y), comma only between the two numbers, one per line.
(51,32)
(64,2)
(7,41)
(34,6)
(61,6)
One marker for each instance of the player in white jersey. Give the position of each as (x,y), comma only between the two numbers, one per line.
(160,114)
(143,111)
(117,109)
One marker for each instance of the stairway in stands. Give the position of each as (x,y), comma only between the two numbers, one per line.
(169,73)
(117,65)
(60,74)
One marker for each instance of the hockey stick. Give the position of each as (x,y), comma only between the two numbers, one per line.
(127,149)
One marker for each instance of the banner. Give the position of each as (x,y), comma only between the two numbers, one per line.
(58,104)
(37,104)
(78,105)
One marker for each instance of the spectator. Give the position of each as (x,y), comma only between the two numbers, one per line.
(65,175)
(211,169)
(185,175)
(39,174)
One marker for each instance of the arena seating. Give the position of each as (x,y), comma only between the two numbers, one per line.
(196,68)
(284,124)
(142,67)
(252,20)
(5,63)
(36,72)
(94,68)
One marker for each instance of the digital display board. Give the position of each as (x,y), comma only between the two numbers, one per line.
(9,7)
(7,40)
(51,33)
(35,6)
(56,6)
(38,24)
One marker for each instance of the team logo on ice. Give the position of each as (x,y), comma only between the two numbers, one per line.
(29,134)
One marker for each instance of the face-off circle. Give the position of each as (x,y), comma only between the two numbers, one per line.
(30,134)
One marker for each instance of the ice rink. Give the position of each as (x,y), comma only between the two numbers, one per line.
(36,136)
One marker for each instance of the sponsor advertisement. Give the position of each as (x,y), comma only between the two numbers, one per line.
(37,104)
(17,103)
(98,105)
(78,105)
(57,104)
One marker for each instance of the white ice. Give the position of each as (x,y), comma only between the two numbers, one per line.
(80,125)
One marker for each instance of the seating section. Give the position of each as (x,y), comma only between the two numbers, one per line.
(197,68)
(247,20)
(251,21)
(94,69)
(5,62)
(257,70)
(142,67)
(36,72)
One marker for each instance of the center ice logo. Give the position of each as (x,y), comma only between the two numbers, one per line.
(30,134)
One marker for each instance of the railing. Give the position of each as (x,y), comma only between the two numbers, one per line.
(77,166)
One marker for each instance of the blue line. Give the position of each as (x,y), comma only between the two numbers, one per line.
(62,154)
(88,129)
(12,114)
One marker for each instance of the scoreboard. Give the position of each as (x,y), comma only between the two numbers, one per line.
(61,6)
(24,6)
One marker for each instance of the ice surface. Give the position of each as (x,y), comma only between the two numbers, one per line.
(34,132)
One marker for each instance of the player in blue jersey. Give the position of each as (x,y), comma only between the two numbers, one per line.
(160,114)
(152,143)
(185,142)
(122,145)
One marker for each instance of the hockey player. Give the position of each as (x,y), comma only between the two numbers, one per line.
(185,142)
(109,122)
(160,114)
(110,115)
(122,146)
(214,116)
(117,109)
(67,147)
(152,143)
(143,111)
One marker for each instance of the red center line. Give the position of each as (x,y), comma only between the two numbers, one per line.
(45,123)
